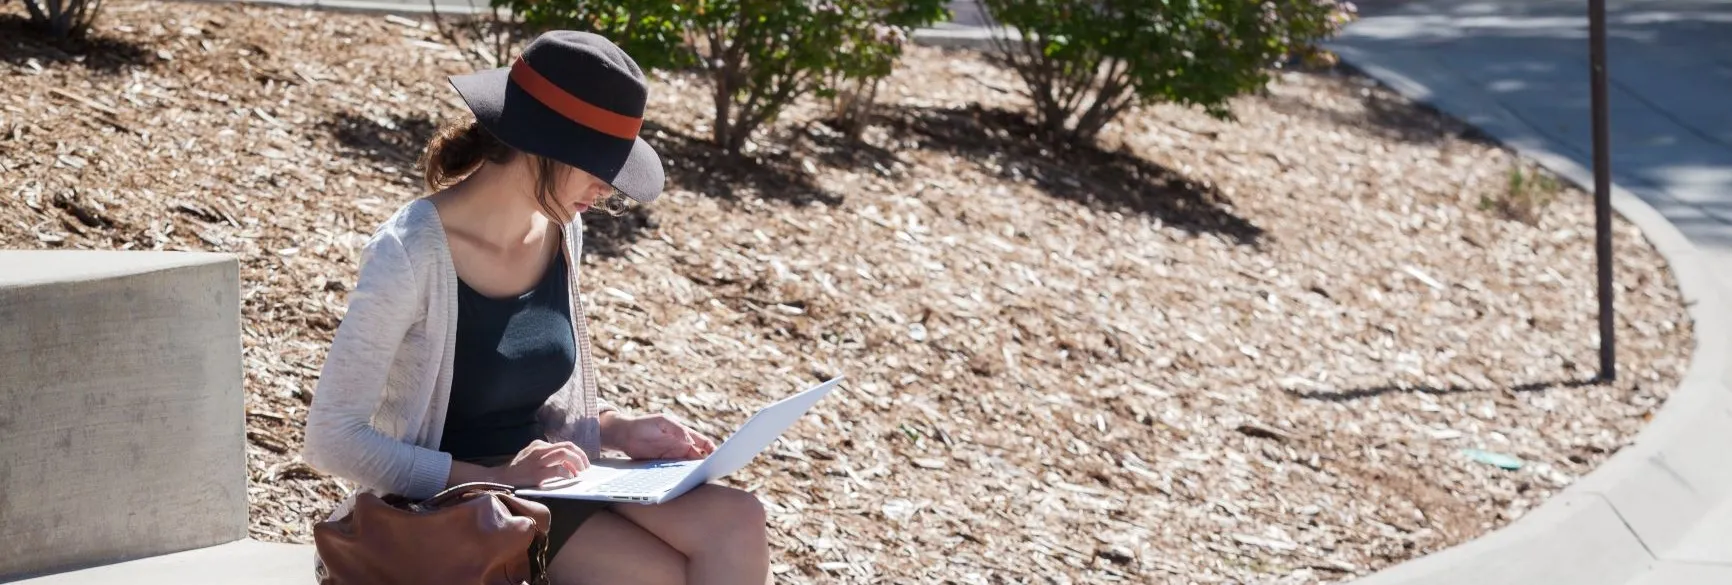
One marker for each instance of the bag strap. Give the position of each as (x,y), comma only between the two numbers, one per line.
(538,560)
(457,491)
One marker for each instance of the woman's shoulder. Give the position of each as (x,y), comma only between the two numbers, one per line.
(415,226)
(411,235)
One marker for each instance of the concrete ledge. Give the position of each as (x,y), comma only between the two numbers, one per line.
(398,7)
(963,37)
(121,410)
(244,562)
(1671,490)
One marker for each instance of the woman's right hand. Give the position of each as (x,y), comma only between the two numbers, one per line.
(541,462)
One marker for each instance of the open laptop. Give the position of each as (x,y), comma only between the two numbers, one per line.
(657,481)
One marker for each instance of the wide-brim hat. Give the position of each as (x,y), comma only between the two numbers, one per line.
(576,98)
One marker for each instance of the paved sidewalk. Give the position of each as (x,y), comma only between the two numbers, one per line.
(1518,70)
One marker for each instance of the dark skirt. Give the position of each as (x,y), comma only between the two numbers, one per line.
(568,515)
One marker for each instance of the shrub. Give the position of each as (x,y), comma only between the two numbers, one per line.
(760,55)
(64,18)
(1528,191)
(1084,62)
(485,38)
(872,53)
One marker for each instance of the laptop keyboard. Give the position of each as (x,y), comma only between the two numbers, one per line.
(648,480)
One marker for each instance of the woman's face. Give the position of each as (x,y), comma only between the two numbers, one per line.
(580,191)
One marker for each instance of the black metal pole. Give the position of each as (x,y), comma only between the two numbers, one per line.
(1602,184)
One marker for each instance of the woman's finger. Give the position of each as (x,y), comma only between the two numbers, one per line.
(568,448)
(544,475)
(563,453)
(579,460)
(701,445)
(530,452)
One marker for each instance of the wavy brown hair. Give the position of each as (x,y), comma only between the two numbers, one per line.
(457,149)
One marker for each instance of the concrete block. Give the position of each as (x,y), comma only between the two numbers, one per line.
(122,426)
(244,562)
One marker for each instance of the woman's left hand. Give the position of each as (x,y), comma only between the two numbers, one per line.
(656,436)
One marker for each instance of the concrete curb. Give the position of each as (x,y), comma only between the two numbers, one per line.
(1626,518)
(404,8)
(963,37)
(942,34)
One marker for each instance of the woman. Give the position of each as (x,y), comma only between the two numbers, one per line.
(464,355)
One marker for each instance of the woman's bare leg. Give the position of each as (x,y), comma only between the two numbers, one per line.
(720,530)
(610,550)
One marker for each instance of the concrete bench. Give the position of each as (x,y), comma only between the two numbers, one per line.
(122,429)
(242,562)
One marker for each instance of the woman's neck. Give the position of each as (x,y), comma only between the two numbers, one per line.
(490,208)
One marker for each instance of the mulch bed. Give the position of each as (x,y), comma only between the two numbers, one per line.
(1208,351)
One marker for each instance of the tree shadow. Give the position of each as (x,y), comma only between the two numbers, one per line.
(1374,391)
(22,42)
(701,166)
(395,140)
(1110,181)
(1386,114)
(832,146)
(609,236)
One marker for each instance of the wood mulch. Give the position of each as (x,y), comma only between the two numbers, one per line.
(1210,352)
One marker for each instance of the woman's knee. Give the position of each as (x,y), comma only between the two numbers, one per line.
(610,550)
(735,509)
(709,520)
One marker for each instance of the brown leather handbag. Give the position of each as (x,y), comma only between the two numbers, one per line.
(469,534)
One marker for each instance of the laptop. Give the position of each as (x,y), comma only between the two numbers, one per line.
(657,481)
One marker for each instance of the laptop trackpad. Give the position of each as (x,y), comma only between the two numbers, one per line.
(602,471)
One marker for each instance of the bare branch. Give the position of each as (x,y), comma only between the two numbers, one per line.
(1116,94)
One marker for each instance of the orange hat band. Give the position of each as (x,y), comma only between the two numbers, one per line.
(572,107)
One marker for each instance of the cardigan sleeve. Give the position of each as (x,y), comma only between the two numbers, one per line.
(341,436)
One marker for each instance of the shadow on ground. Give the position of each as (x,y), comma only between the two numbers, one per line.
(21,42)
(1385,113)
(609,236)
(1375,391)
(828,142)
(1110,181)
(396,140)
(700,166)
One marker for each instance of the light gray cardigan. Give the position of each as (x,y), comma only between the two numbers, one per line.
(379,408)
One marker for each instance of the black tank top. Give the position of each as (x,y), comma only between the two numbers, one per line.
(512,354)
